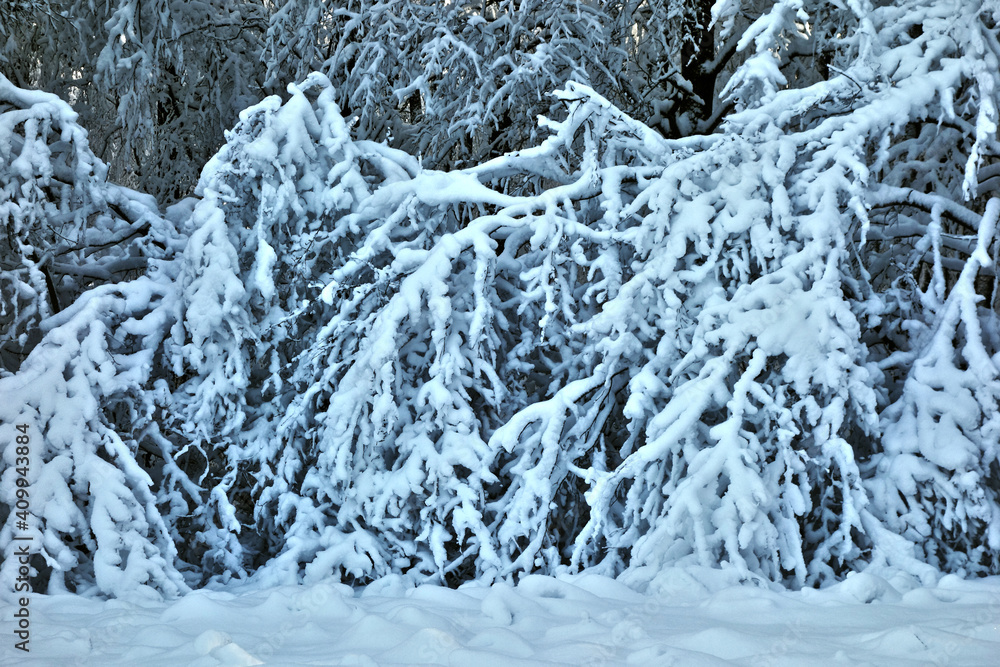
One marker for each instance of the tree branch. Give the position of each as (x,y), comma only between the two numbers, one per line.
(887,195)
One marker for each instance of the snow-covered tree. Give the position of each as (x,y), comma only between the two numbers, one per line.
(936,481)
(731,302)
(451,82)
(67,229)
(454,83)
(288,207)
(179,72)
(155,82)
(711,376)
(83,343)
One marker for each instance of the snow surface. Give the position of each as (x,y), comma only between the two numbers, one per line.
(694,618)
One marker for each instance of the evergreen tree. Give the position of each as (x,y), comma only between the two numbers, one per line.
(83,341)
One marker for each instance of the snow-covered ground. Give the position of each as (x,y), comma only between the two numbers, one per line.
(692,619)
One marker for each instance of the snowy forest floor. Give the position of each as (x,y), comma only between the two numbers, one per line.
(694,619)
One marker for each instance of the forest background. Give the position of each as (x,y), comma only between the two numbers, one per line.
(472,289)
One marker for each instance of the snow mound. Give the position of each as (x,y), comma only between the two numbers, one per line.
(583,620)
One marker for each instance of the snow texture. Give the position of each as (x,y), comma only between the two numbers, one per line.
(762,339)
(693,617)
